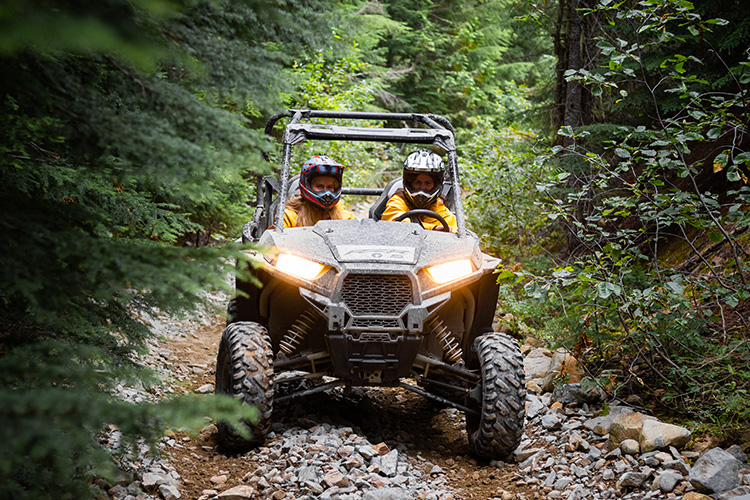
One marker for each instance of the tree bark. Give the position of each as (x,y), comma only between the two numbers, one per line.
(572,99)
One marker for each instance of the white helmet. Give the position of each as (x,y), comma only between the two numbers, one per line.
(419,162)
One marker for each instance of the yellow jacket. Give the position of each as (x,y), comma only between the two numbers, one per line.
(398,205)
(290,216)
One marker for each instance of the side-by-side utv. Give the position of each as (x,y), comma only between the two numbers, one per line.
(368,302)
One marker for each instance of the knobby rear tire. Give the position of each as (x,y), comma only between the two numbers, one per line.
(231,311)
(500,398)
(244,370)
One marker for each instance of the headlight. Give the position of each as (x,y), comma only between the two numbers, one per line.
(299,266)
(450,271)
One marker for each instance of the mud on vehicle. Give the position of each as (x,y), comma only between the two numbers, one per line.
(353,303)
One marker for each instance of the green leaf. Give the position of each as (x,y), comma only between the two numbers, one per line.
(605,289)
(505,274)
(733,173)
(715,237)
(674,287)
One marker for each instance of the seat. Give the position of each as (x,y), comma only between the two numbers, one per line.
(293,189)
(377,208)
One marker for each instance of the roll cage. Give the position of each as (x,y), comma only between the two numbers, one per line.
(437,131)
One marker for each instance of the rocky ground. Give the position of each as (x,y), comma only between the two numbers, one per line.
(392,444)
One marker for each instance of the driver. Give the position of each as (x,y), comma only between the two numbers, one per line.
(320,191)
(422,178)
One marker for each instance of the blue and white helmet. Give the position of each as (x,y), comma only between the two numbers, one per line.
(419,162)
(321,165)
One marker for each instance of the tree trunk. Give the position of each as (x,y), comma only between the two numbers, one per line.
(572,99)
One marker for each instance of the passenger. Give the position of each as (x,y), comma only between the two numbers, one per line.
(320,190)
(423,179)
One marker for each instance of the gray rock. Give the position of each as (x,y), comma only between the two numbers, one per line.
(678,465)
(314,486)
(169,492)
(534,407)
(522,455)
(205,389)
(715,471)
(576,394)
(549,481)
(630,447)
(536,363)
(151,481)
(667,481)
(659,435)
(388,494)
(389,463)
(737,453)
(551,421)
(308,473)
(741,493)
(594,454)
(631,480)
(601,425)
(579,493)
(562,483)
(367,451)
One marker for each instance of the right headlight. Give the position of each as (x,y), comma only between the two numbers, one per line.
(450,271)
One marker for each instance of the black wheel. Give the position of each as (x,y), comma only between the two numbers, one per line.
(244,369)
(232,311)
(499,398)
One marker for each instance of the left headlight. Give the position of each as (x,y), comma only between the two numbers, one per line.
(450,271)
(299,266)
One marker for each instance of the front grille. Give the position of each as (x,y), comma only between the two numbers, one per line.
(385,294)
(368,324)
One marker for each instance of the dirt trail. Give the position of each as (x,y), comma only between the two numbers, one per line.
(393,416)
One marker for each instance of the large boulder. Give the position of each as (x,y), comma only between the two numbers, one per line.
(563,364)
(600,425)
(536,363)
(577,394)
(656,435)
(626,426)
(715,471)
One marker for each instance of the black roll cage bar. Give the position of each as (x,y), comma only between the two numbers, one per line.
(439,133)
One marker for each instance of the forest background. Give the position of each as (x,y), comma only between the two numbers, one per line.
(603,147)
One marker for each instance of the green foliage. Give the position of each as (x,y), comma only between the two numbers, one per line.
(500,171)
(59,398)
(333,83)
(127,129)
(655,211)
(451,56)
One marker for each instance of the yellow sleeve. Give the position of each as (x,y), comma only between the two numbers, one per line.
(395,206)
(440,208)
(290,217)
(345,214)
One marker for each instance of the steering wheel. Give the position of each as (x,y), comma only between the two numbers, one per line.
(423,211)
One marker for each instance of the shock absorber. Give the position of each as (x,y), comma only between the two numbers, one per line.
(451,349)
(297,332)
